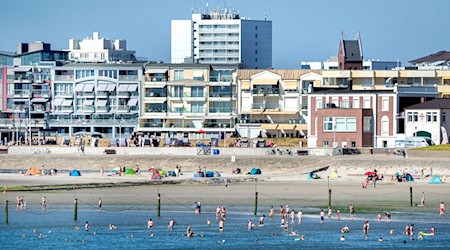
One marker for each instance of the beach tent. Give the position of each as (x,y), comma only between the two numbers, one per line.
(435,180)
(74,173)
(116,169)
(409,177)
(216,174)
(209,174)
(334,175)
(162,173)
(312,175)
(255,171)
(130,171)
(33,171)
(156,176)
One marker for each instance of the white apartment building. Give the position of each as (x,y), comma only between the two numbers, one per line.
(429,119)
(96,49)
(195,101)
(222,37)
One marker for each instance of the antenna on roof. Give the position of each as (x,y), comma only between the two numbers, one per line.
(357,36)
(265,12)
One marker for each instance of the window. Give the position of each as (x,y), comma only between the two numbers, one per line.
(256,43)
(385,104)
(335,101)
(434,116)
(84,73)
(345,103)
(368,124)
(356,103)
(179,75)
(325,143)
(256,59)
(256,51)
(318,103)
(415,116)
(385,125)
(197,91)
(328,124)
(353,144)
(256,35)
(197,107)
(443,116)
(366,103)
(428,116)
(177,91)
(256,27)
(410,116)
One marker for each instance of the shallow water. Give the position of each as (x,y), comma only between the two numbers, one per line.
(57,225)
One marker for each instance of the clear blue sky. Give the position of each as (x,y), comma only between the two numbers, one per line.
(302,29)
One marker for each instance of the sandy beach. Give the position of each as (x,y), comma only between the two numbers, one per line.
(275,186)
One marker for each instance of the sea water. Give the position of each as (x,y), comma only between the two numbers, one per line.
(57,226)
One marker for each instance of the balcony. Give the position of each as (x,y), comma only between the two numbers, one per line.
(22,93)
(23,78)
(194,96)
(63,109)
(154,94)
(177,110)
(221,79)
(156,79)
(151,124)
(267,91)
(221,110)
(18,108)
(123,94)
(344,105)
(128,78)
(257,106)
(92,122)
(41,93)
(103,94)
(86,108)
(39,109)
(66,94)
(63,78)
(123,108)
(220,94)
(156,110)
(86,94)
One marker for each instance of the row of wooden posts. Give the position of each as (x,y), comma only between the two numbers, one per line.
(158,210)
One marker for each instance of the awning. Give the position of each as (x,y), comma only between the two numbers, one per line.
(286,126)
(265,81)
(155,71)
(102,87)
(88,88)
(39,100)
(290,85)
(445,77)
(111,87)
(301,126)
(122,87)
(132,87)
(277,112)
(88,102)
(67,103)
(132,102)
(79,87)
(23,69)
(57,102)
(101,103)
(269,126)
(245,85)
(20,100)
(197,74)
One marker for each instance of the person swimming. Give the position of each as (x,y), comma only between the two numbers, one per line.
(345,229)
(342,238)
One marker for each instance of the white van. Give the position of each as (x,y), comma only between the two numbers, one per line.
(418,142)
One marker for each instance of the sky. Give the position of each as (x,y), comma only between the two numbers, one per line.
(302,30)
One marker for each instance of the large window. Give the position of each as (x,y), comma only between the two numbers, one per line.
(434,116)
(415,116)
(356,102)
(366,103)
(197,107)
(84,73)
(197,91)
(429,117)
(339,124)
(385,125)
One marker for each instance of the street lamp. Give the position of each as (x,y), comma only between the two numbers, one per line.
(334,136)
(120,133)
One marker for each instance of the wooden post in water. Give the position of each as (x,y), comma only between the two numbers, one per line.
(6,212)
(158,212)
(75,209)
(411,196)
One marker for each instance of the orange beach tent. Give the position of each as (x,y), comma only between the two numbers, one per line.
(33,171)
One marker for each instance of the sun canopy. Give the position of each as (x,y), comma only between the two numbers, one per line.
(74,173)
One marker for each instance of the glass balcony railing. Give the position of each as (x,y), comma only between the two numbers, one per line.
(63,77)
(129,78)
(177,110)
(22,92)
(268,91)
(64,93)
(151,124)
(218,125)
(258,106)
(194,94)
(220,110)
(220,79)
(156,94)
(156,110)
(220,94)
(86,108)
(102,108)
(63,109)
(156,79)
(41,92)
(176,95)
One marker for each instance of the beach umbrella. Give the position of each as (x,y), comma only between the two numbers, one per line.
(370,173)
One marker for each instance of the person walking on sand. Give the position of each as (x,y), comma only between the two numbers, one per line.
(442,208)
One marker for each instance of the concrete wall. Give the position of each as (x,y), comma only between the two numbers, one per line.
(428,154)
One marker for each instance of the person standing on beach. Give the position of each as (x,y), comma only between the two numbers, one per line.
(351,207)
(442,208)
(322,213)
(422,200)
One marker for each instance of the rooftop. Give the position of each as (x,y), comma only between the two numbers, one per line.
(436,57)
(432,104)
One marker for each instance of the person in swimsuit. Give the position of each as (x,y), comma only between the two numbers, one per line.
(150,223)
(221,223)
(322,216)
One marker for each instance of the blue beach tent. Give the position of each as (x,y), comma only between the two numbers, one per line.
(255,171)
(435,180)
(74,173)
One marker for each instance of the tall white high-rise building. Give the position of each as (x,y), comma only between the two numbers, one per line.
(222,37)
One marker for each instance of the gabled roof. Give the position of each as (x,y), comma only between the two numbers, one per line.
(286,74)
(352,51)
(432,104)
(438,56)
